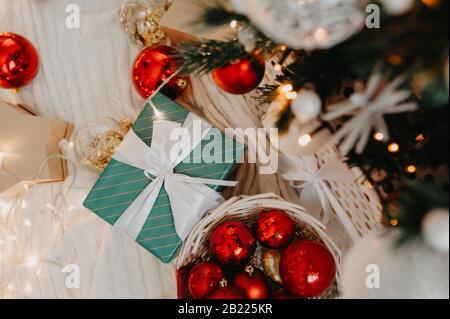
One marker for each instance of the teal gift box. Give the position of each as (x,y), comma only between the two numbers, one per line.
(120,184)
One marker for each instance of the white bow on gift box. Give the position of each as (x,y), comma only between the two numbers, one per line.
(303,173)
(189,197)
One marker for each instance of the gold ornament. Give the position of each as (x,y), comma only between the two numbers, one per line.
(271,264)
(141,19)
(182,83)
(101,149)
(126,125)
(95,143)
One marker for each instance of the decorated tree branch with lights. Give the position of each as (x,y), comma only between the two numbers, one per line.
(374,74)
(380,85)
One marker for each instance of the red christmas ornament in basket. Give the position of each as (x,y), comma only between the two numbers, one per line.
(226,292)
(307,268)
(232,243)
(275,229)
(204,279)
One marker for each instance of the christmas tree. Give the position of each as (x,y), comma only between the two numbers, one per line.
(374,73)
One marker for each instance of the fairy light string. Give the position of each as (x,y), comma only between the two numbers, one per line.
(14,226)
(16,259)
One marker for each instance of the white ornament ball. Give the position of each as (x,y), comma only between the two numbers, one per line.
(376,268)
(240,6)
(247,37)
(318,24)
(435,230)
(307,106)
(398,7)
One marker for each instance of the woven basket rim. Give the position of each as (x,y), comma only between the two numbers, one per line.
(243,207)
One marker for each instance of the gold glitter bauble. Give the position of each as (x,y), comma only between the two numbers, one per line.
(141,19)
(95,143)
(182,83)
(101,149)
(126,125)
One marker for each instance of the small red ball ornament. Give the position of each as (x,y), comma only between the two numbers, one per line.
(232,243)
(275,229)
(181,275)
(152,67)
(253,283)
(307,268)
(204,279)
(227,293)
(240,77)
(19,61)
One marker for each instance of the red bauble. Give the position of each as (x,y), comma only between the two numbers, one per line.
(307,268)
(240,77)
(226,292)
(181,275)
(19,61)
(204,279)
(253,283)
(152,67)
(275,229)
(232,243)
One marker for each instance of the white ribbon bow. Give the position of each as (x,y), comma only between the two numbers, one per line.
(305,175)
(189,197)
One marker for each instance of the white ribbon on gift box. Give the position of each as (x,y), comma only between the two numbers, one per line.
(304,174)
(189,197)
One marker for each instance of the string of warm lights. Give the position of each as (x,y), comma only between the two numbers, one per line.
(15,227)
(287,94)
(15,236)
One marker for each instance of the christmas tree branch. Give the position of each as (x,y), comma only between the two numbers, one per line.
(414,44)
(413,204)
(204,57)
(218,15)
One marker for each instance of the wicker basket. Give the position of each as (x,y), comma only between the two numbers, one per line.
(247,209)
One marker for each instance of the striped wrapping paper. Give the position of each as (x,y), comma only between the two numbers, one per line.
(119,185)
